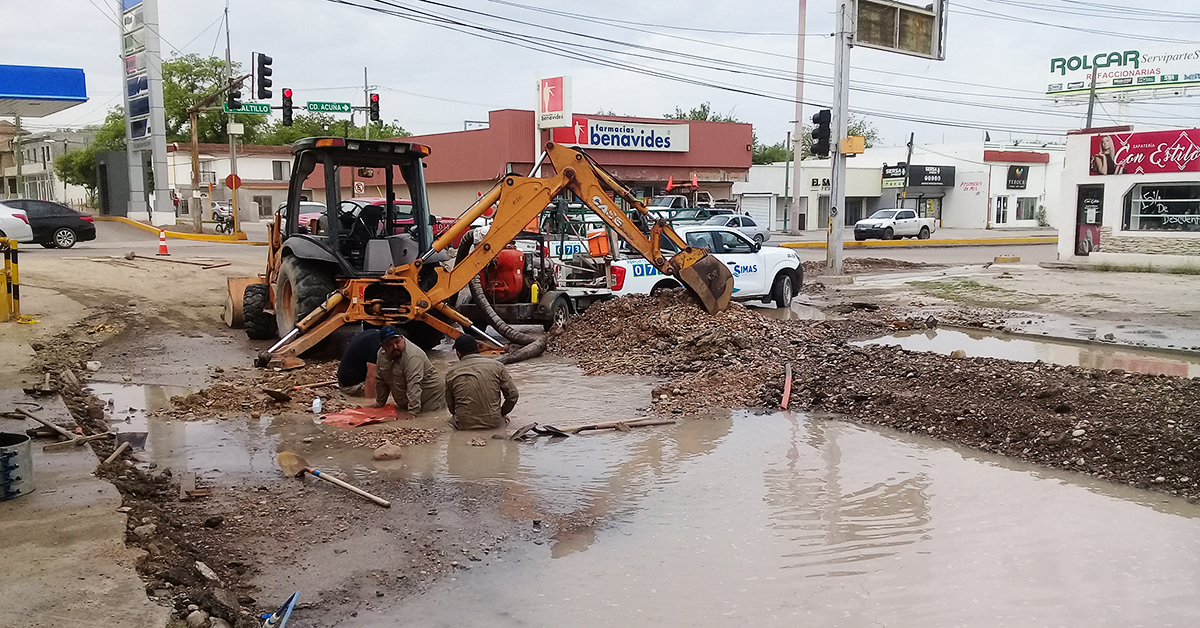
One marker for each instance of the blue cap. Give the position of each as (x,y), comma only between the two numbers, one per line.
(388,332)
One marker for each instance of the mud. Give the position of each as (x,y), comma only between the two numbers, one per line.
(1124,427)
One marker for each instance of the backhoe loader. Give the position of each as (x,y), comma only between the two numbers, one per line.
(383,266)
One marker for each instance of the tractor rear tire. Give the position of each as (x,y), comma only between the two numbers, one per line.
(259,323)
(302,286)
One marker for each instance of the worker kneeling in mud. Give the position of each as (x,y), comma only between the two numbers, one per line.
(474,387)
(403,370)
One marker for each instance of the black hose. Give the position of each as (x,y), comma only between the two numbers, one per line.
(533,344)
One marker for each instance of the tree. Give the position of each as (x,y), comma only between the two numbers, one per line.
(703,112)
(78,167)
(186,81)
(774,153)
(319,124)
(856,126)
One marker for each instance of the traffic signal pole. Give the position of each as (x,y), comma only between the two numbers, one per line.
(841,112)
(367,102)
(237,218)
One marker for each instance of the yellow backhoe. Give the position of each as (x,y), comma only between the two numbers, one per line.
(380,264)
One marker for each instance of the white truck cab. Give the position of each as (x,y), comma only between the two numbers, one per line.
(769,273)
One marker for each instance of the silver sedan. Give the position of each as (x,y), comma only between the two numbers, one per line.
(743,223)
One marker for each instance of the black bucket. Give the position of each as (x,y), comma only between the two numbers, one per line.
(16,465)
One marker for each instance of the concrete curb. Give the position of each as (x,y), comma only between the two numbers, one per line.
(926,243)
(203,237)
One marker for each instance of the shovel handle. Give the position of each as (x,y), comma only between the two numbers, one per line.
(56,428)
(350,487)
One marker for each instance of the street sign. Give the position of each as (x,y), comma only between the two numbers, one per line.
(359,188)
(329,107)
(233,182)
(249,107)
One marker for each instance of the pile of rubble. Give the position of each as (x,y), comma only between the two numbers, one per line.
(241,396)
(1140,429)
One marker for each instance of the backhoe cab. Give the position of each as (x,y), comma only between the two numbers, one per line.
(380,264)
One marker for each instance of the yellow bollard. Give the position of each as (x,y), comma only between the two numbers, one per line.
(6,310)
(15,283)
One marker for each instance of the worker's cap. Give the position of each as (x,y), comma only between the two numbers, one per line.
(388,333)
(465,344)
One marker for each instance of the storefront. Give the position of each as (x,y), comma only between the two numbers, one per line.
(647,154)
(1136,197)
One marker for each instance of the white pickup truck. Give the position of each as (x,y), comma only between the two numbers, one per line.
(765,273)
(886,224)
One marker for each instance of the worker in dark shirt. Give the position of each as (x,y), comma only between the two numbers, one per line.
(362,350)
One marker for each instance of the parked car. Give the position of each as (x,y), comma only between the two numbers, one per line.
(54,224)
(886,224)
(745,224)
(767,273)
(309,211)
(14,224)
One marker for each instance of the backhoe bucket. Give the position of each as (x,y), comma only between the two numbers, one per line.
(709,280)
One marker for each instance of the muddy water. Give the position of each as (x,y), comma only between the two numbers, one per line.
(797,312)
(985,344)
(780,520)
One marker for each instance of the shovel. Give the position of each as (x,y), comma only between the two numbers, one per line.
(294,465)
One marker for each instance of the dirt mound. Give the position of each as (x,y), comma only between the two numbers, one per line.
(1138,429)
(240,396)
(855,265)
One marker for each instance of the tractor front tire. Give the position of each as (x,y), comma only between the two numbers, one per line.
(423,335)
(259,323)
(302,286)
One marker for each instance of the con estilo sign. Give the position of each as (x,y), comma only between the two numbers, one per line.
(1145,153)
(616,135)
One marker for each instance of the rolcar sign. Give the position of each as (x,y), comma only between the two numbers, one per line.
(1124,70)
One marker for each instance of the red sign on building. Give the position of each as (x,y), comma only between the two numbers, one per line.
(1145,153)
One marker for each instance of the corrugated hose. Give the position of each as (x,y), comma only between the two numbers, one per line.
(533,345)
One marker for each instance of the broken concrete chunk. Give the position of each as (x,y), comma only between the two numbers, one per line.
(207,572)
(387,452)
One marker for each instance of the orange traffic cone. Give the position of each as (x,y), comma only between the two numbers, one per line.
(162,242)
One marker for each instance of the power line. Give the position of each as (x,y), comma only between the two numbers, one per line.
(984,13)
(540,45)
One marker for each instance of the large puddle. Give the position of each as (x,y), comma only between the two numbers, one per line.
(781,520)
(746,520)
(990,345)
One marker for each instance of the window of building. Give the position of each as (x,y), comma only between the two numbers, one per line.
(265,208)
(281,170)
(1163,207)
(1027,207)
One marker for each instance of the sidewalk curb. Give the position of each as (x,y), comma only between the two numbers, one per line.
(926,243)
(204,237)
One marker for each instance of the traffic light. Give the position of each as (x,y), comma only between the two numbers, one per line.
(821,133)
(264,77)
(287,106)
(374,107)
(234,98)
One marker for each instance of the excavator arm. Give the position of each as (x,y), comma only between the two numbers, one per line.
(521,199)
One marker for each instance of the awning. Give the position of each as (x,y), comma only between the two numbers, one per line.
(34,92)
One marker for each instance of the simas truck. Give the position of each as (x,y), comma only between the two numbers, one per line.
(886,224)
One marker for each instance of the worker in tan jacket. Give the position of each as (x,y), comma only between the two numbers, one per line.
(403,370)
(474,388)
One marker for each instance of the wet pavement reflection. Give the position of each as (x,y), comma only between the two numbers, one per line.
(777,519)
(994,345)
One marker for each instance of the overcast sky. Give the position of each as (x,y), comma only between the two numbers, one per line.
(432,79)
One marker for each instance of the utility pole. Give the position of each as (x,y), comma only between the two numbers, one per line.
(786,171)
(367,104)
(907,170)
(20,159)
(1091,100)
(798,129)
(194,203)
(841,111)
(237,218)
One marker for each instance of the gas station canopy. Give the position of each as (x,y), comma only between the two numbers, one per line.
(34,92)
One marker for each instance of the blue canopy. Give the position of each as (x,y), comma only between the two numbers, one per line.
(35,92)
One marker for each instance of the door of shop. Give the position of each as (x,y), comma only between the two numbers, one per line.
(1089,215)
